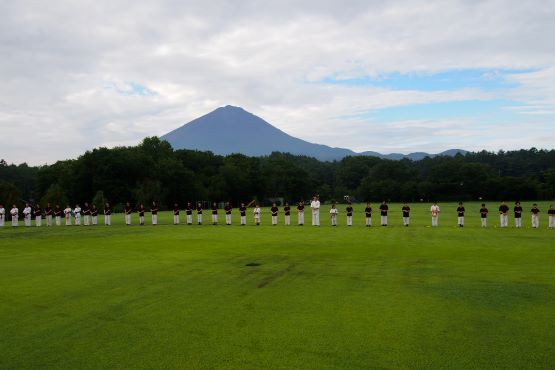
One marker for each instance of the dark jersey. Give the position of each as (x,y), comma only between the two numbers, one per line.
(214,210)
(535,210)
(48,211)
(406,211)
(243,210)
(383,209)
(86,211)
(368,211)
(551,212)
(199,210)
(460,211)
(128,210)
(141,211)
(228,210)
(37,212)
(274,211)
(503,208)
(518,211)
(300,207)
(189,210)
(176,211)
(94,211)
(483,212)
(349,210)
(154,210)
(287,210)
(58,212)
(107,211)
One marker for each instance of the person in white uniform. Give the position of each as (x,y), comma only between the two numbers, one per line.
(434,209)
(77,215)
(256,213)
(67,213)
(27,214)
(333,215)
(315,207)
(2,215)
(14,212)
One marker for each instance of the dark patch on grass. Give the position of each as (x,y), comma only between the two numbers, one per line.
(252,264)
(268,279)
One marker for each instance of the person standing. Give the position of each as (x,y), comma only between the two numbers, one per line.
(127,210)
(175,214)
(154,213)
(435,214)
(383,213)
(287,212)
(300,213)
(243,213)
(67,214)
(274,210)
(199,213)
(535,216)
(107,214)
(86,214)
(189,213)
(256,213)
(503,215)
(349,210)
(551,213)
(228,210)
(48,212)
(14,212)
(58,215)
(368,214)
(315,207)
(214,213)
(518,214)
(333,214)
(2,215)
(27,214)
(94,215)
(141,212)
(77,215)
(460,214)
(406,214)
(37,212)
(484,215)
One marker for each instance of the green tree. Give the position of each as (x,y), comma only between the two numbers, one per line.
(9,194)
(54,195)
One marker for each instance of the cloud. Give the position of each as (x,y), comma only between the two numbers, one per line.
(81,75)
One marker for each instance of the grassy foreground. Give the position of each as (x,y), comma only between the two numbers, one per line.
(185,296)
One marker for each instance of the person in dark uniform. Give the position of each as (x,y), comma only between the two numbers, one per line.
(349,210)
(551,214)
(141,211)
(274,210)
(503,215)
(58,212)
(300,211)
(37,212)
(189,213)
(154,213)
(107,214)
(518,214)
(175,214)
(214,213)
(86,214)
(199,213)
(48,212)
(406,214)
(127,211)
(383,213)
(484,215)
(460,214)
(228,210)
(94,214)
(243,213)
(368,214)
(535,216)
(287,212)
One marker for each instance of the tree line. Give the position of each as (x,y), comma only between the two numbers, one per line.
(153,170)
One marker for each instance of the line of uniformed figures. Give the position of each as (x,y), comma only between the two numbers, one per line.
(89,214)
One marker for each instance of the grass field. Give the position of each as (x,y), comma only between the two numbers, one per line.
(185,296)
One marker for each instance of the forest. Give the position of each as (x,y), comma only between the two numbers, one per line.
(153,170)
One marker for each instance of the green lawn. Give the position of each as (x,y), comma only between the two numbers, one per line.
(183,296)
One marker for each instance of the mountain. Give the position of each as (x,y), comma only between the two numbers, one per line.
(231,129)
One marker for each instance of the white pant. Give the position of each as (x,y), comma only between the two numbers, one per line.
(38,220)
(128,219)
(154,219)
(68,220)
(349,220)
(228,219)
(274,220)
(15,221)
(535,221)
(315,218)
(189,219)
(243,220)
(199,218)
(435,220)
(94,220)
(86,220)
(368,221)
(214,219)
(2,220)
(460,220)
(176,219)
(518,221)
(503,220)
(301,218)
(107,220)
(27,220)
(384,220)
(49,220)
(551,222)
(484,222)
(141,220)
(287,220)
(58,220)
(257,219)
(406,221)
(78,219)
(333,220)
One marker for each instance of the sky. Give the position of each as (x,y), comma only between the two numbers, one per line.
(386,76)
